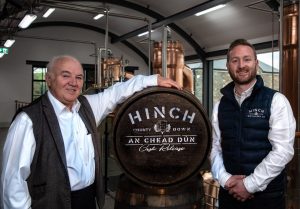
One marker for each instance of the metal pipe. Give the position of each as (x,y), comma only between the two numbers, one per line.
(96,64)
(105,49)
(55,39)
(149,47)
(100,50)
(290,87)
(280,41)
(79,6)
(88,9)
(106,34)
(251,6)
(273,50)
(95,10)
(164,51)
(70,7)
(66,40)
(128,16)
(99,69)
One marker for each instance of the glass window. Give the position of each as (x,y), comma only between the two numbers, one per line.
(38,82)
(220,78)
(197,69)
(89,76)
(268,69)
(39,86)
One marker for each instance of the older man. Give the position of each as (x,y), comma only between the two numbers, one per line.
(51,157)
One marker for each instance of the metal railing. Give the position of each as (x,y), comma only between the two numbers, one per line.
(19,104)
(211,191)
(211,195)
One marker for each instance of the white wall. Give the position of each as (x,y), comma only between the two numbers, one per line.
(16,76)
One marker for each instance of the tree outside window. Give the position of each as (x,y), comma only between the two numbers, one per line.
(39,86)
(268,69)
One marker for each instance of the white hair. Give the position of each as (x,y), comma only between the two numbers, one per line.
(59,58)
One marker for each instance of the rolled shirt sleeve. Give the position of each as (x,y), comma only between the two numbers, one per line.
(18,153)
(217,166)
(281,136)
(105,102)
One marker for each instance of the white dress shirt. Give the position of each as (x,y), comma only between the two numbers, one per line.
(281,136)
(20,144)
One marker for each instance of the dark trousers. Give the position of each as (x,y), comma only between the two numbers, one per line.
(84,198)
(271,200)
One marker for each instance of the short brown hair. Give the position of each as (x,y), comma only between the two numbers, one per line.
(239,42)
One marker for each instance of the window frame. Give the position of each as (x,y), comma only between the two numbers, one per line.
(87,69)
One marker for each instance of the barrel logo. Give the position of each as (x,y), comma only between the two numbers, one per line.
(168,129)
(161,136)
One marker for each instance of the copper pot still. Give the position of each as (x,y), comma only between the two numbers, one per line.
(111,68)
(176,69)
(290,75)
(112,72)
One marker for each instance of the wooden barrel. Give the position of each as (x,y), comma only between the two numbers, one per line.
(161,136)
(134,196)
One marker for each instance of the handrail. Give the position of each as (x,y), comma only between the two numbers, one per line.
(20,104)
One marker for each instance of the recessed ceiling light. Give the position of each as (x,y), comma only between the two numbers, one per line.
(27,20)
(48,12)
(98,16)
(210,9)
(145,33)
(9,42)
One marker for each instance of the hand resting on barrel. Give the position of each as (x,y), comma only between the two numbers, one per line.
(167,82)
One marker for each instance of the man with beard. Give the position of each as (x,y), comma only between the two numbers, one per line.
(253,136)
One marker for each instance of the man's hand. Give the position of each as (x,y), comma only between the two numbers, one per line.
(237,189)
(167,82)
(232,181)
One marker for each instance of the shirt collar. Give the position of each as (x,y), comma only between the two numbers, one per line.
(60,107)
(246,93)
